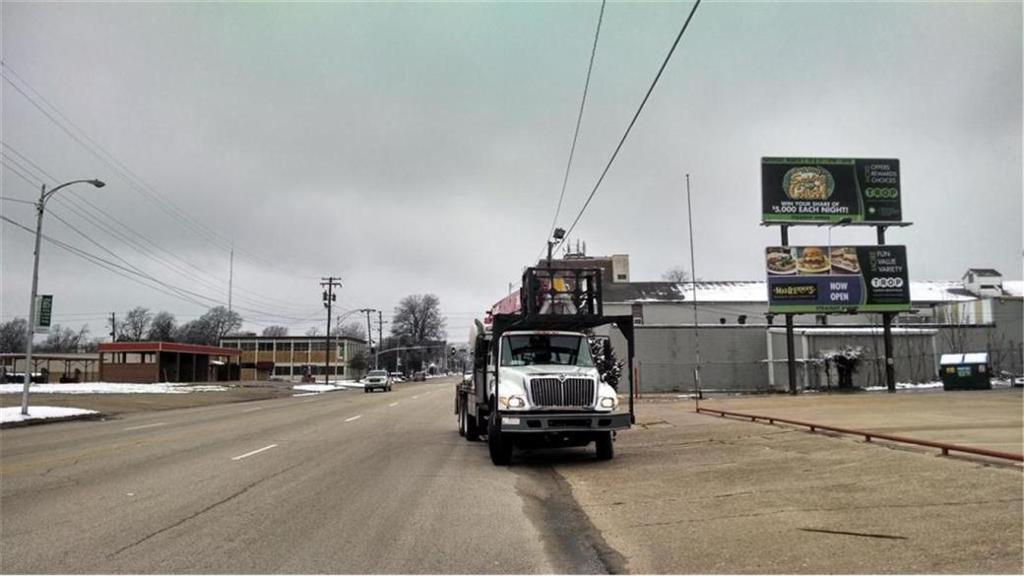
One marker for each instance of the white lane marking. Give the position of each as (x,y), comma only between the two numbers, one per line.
(393,404)
(253,409)
(146,426)
(416,396)
(353,418)
(305,394)
(254,452)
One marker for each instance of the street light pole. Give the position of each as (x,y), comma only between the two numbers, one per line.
(40,209)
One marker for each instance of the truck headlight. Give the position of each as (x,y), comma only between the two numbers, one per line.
(609,402)
(512,402)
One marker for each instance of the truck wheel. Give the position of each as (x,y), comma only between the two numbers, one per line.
(499,445)
(462,418)
(472,426)
(605,448)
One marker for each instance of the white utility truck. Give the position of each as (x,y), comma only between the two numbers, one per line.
(534,381)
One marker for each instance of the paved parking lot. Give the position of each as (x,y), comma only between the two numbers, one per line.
(692,493)
(992,419)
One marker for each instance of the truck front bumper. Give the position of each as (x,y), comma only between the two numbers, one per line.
(564,421)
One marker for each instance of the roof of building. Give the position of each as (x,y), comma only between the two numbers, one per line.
(167,347)
(756,291)
(54,355)
(276,338)
(984,271)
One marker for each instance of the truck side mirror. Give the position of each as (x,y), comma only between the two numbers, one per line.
(604,377)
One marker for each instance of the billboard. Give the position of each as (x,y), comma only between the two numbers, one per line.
(819,279)
(810,190)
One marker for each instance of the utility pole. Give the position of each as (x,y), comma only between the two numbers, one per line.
(329,297)
(369,331)
(380,338)
(113,327)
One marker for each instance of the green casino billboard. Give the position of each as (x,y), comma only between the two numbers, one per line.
(829,190)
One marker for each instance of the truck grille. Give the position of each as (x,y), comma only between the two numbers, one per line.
(572,392)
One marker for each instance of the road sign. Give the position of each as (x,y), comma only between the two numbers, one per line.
(44,313)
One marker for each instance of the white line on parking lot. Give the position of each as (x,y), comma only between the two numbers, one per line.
(146,426)
(393,404)
(247,454)
(253,409)
(353,418)
(416,396)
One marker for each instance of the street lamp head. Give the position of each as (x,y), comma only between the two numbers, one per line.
(97,183)
(559,234)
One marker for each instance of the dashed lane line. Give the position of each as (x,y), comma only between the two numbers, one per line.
(146,426)
(254,452)
(354,418)
(393,404)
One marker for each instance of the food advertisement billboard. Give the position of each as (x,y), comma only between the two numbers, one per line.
(809,190)
(818,279)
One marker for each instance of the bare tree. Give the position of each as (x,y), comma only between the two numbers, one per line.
(65,339)
(14,335)
(161,328)
(354,329)
(418,319)
(134,325)
(676,274)
(313,331)
(275,331)
(210,327)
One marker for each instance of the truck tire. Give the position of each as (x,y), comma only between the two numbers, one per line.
(498,444)
(462,416)
(605,447)
(472,426)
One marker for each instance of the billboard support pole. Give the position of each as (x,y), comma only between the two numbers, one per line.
(790,361)
(890,366)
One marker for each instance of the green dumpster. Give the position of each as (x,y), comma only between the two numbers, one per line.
(965,371)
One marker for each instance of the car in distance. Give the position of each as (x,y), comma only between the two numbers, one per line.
(419,376)
(377,380)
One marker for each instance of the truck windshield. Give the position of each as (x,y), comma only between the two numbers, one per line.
(529,349)
(377,373)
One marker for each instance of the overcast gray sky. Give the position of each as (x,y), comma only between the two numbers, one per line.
(414,148)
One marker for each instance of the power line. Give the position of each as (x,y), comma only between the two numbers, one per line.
(257,299)
(19,200)
(135,182)
(632,122)
(135,275)
(579,122)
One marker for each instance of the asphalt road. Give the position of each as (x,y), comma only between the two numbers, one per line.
(341,482)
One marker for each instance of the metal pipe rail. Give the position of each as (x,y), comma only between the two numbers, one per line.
(945,447)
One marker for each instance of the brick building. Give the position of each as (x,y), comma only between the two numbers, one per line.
(290,357)
(166,362)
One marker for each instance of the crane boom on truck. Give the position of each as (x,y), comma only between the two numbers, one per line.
(534,383)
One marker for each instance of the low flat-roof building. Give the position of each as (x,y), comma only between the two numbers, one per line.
(51,366)
(149,362)
(292,357)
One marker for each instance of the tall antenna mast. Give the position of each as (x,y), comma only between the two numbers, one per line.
(693,287)
(231,276)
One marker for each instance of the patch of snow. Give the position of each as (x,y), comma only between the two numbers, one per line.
(317,387)
(13,414)
(1013,288)
(908,386)
(111,388)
